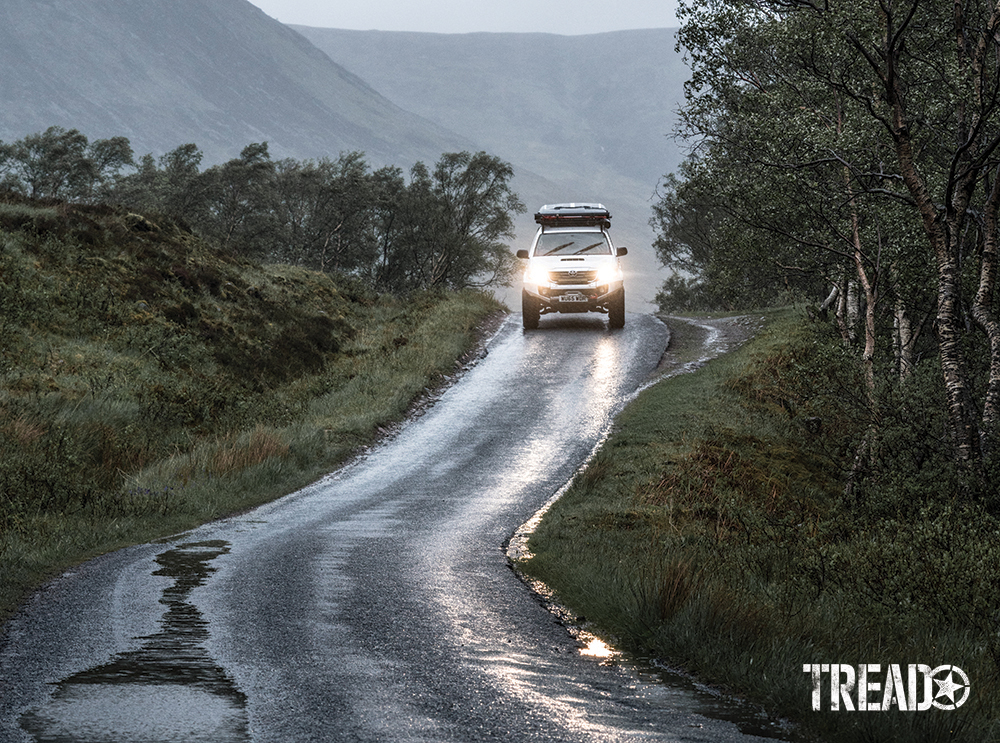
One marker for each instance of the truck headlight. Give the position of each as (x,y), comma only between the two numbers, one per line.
(536,275)
(607,274)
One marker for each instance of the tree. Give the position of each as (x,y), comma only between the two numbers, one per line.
(239,195)
(172,185)
(410,226)
(473,215)
(183,190)
(109,158)
(444,229)
(395,211)
(62,164)
(867,128)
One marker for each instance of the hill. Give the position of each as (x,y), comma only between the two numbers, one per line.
(559,105)
(150,382)
(218,73)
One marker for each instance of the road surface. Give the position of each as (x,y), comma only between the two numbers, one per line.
(374,605)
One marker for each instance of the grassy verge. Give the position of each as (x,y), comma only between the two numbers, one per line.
(711,531)
(149,384)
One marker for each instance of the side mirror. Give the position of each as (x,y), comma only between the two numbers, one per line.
(622,251)
(522,254)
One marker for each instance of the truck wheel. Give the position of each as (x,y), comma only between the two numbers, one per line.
(616,311)
(530,311)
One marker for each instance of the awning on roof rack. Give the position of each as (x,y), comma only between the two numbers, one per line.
(573,215)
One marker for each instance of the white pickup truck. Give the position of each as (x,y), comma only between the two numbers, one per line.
(573,265)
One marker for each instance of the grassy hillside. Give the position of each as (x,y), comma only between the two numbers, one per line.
(149,383)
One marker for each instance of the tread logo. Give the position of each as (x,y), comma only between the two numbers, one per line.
(911,688)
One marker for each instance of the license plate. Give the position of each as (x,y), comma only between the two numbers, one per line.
(572,298)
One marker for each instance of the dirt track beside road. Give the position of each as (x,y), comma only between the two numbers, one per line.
(695,340)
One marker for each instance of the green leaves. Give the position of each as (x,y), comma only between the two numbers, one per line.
(62,164)
(446,228)
(855,145)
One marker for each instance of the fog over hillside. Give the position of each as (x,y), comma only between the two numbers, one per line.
(591,114)
(555,103)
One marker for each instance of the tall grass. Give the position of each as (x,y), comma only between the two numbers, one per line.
(149,383)
(712,531)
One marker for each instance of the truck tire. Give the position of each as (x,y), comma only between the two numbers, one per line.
(530,311)
(616,310)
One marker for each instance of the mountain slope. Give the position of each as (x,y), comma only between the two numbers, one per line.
(219,73)
(557,104)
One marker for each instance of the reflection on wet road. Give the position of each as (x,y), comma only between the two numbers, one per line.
(149,693)
(375,605)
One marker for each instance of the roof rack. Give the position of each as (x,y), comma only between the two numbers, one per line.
(573,215)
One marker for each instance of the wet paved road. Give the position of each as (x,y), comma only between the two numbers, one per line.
(375,605)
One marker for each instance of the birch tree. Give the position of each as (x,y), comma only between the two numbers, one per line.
(883,113)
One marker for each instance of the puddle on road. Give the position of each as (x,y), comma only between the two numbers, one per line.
(170,689)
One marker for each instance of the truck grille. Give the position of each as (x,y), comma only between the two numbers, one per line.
(583,276)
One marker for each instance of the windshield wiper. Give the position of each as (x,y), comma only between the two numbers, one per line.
(558,248)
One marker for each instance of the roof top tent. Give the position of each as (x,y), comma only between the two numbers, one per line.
(573,215)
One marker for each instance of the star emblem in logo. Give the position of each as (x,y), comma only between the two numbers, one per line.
(947,687)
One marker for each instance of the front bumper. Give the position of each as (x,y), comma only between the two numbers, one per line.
(569,298)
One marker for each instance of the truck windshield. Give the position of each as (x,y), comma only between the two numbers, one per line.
(572,243)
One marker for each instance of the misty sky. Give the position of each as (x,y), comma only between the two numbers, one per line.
(464,16)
